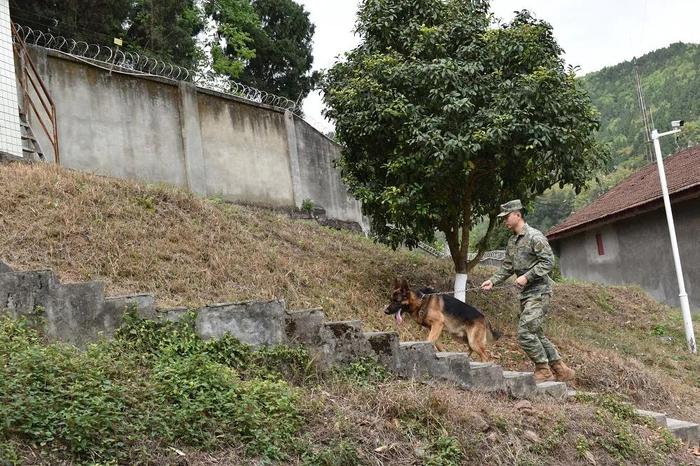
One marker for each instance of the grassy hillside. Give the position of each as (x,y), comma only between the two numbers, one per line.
(190,251)
(671,81)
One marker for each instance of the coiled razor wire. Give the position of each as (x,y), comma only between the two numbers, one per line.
(142,64)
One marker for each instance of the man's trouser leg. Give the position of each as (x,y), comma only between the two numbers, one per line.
(531,330)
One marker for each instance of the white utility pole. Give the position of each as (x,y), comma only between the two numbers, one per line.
(685,307)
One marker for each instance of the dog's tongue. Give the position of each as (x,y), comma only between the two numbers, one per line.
(399,319)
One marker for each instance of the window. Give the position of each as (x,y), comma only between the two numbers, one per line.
(599,241)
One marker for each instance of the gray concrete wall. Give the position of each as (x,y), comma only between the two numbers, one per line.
(114,124)
(319,179)
(156,130)
(245,152)
(638,251)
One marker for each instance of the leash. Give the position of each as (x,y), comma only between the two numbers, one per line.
(466,290)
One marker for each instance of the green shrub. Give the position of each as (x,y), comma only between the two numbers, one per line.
(444,451)
(156,384)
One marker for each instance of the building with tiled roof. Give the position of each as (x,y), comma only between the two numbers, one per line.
(622,237)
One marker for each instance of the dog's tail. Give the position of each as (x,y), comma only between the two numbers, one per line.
(493,334)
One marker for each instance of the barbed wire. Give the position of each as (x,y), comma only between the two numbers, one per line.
(138,63)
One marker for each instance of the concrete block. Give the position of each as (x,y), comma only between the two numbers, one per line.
(305,326)
(487,377)
(659,418)
(77,316)
(254,323)
(688,432)
(458,368)
(145,304)
(343,342)
(114,308)
(416,359)
(21,293)
(556,390)
(385,345)
(174,314)
(520,384)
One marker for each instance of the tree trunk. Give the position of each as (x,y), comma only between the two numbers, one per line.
(461,287)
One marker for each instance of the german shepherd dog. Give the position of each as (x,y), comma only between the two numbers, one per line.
(443,312)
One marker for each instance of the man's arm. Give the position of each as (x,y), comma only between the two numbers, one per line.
(545,259)
(505,271)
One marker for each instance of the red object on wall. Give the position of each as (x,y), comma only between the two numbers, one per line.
(599,240)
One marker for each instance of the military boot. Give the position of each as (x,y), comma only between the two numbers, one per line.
(562,372)
(542,372)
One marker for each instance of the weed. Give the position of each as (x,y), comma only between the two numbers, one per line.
(364,372)
(342,453)
(155,382)
(444,451)
(307,205)
(582,445)
(147,202)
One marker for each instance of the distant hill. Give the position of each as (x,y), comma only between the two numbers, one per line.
(671,82)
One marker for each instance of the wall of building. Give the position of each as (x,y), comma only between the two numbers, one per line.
(10,135)
(637,250)
(157,130)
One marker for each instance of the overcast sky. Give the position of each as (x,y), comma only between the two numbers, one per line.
(593,33)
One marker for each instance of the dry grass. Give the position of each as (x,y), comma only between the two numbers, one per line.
(190,251)
(399,423)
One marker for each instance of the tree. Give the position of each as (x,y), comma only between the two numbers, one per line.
(443,118)
(265,44)
(167,29)
(233,46)
(92,21)
(283,57)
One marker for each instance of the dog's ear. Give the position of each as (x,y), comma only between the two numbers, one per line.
(396,283)
(404,284)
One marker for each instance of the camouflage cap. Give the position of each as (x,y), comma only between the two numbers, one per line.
(510,206)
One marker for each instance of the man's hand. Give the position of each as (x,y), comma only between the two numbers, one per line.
(487,285)
(521,281)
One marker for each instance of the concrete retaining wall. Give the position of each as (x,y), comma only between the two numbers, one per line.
(156,130)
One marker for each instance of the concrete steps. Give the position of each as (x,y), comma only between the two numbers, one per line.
(80,313)
(31,149)
(687,432)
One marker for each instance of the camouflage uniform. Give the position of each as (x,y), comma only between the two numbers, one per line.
(529,254)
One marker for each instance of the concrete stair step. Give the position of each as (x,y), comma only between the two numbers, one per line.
(418,345)
(342,327)
(386,346)
(659,418)
(688,432)
(520,384)
(456,367)
(556,390)
(416,359)
(487,377)
(304,326)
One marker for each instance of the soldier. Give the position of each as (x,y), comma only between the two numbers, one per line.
(529,256)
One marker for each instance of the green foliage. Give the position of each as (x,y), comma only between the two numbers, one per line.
(444,451)
(156,382)
(264,43)
(365,372)
(342,453)
(233,47)
(166,29)
(670,79)
(283,59)
(307,205)
(92,21)
(444,117)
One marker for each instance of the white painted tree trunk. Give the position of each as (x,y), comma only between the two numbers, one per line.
(460,286)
